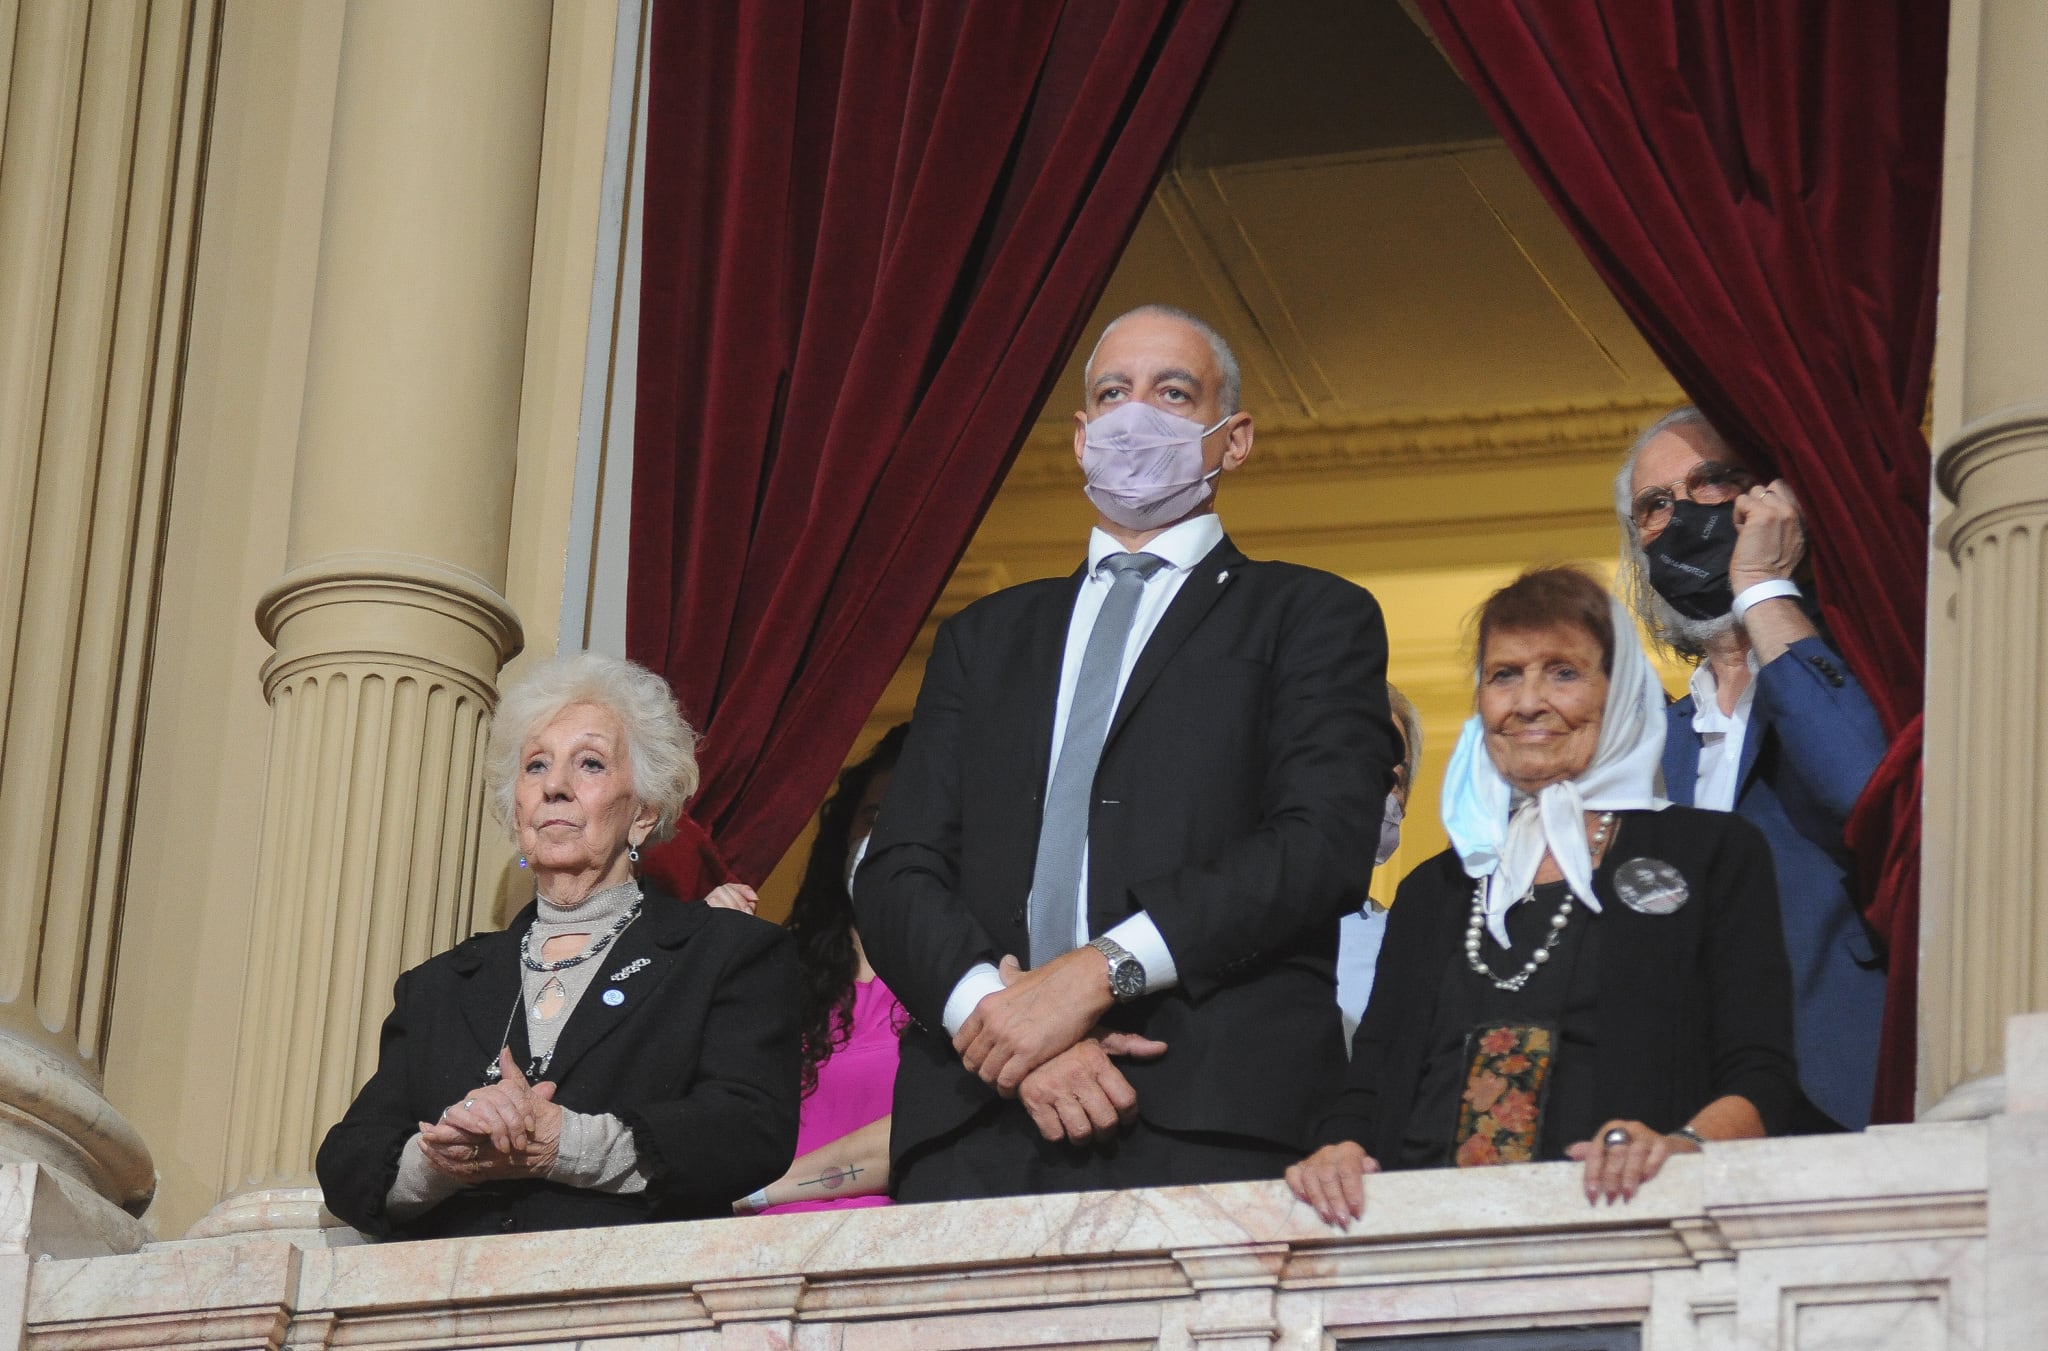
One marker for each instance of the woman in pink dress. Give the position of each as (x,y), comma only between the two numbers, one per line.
(850,1020)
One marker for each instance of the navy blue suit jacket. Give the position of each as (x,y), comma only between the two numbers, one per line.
(1812,742)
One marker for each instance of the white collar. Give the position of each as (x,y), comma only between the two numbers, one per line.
(1181,546)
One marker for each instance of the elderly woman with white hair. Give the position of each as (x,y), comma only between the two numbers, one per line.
(614,1056)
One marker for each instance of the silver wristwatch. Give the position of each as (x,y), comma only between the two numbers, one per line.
(1126,973)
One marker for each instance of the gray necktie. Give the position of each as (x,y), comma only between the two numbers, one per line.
(1056,881)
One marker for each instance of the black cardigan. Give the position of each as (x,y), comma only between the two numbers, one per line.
(1693,1006)
(700,1060)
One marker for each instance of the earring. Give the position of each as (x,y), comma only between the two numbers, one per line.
(522,860)
(633,852)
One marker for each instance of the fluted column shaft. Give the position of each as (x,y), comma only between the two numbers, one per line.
(1985,952)
(389,622)
(101,111)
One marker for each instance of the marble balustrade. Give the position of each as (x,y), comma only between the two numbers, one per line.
(1877,1240)
(1926,1237)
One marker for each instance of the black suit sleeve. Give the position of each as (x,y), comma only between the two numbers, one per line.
(358,1161)
(1398,989)
(734,1128)
(1749,980)
(1330,755)
(915,934)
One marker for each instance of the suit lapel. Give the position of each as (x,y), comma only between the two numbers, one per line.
(1753,736)
(1206,582)
(633,968)
(489,964)
(1681,753)
(1041,655)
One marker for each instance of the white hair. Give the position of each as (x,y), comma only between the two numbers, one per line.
(1682,634)
(1226,360)
(660,751)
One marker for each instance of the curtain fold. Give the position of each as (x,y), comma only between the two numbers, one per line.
(872,232)
(1758,183)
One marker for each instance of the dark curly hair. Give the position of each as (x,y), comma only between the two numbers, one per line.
(821,917)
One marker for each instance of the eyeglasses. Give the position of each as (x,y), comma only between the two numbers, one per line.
(1709,483)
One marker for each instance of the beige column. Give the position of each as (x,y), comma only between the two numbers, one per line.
(390,621)
(102,111)
(1985,935)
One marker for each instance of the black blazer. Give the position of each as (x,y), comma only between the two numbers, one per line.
(700,1061)
(1693,1005)
(1238,802)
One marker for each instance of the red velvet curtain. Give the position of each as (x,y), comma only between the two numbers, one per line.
(873,229)
(1758,182)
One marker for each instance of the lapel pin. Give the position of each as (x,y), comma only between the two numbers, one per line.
(614,997)
(636,965)
(1223,576)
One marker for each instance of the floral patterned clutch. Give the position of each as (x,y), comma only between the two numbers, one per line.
(1507,1077)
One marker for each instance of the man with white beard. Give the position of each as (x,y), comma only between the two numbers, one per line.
(1775,726)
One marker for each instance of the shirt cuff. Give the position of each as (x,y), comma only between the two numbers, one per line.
(1139,936)
(419,1186)
(596,1152)
(979,983)
(1770,589)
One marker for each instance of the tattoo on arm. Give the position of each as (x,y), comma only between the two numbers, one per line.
(832,1179)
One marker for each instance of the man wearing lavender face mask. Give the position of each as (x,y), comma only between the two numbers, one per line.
(1135,801)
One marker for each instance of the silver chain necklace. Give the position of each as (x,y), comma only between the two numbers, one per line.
(1477,928)
(596,946)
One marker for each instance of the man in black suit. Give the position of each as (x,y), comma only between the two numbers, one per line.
(1177,751)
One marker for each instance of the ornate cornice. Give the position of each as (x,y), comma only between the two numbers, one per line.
(1461,441)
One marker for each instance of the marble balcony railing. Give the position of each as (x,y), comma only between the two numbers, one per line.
(1823,1244)
(1930,1237)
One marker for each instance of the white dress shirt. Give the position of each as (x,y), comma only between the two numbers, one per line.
(1180,548)
(1721,737)
(1359,936)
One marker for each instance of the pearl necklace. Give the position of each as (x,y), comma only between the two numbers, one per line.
(1473,931)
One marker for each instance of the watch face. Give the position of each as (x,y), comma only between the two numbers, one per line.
(1127,979)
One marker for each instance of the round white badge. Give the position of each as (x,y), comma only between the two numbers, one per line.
(1650,886)
(614,997)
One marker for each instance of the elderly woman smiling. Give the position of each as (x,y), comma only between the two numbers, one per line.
(613,1056)
(1588,972)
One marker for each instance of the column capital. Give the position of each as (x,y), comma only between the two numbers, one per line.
(1988,442)
(341,589)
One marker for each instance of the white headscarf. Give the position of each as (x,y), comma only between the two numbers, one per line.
(1507,849)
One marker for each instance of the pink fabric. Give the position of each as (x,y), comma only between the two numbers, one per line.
(854,1086)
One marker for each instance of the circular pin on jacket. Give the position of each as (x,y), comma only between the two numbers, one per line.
(614,997)
(1650,886)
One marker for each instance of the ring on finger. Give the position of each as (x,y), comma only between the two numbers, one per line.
(1615,1138)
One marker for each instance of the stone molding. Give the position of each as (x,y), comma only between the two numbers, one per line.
(1750,1235)
(1987,470)
(1462,441)
(482,623)
(50,1115)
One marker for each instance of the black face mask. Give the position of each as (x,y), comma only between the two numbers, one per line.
(1689,561)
